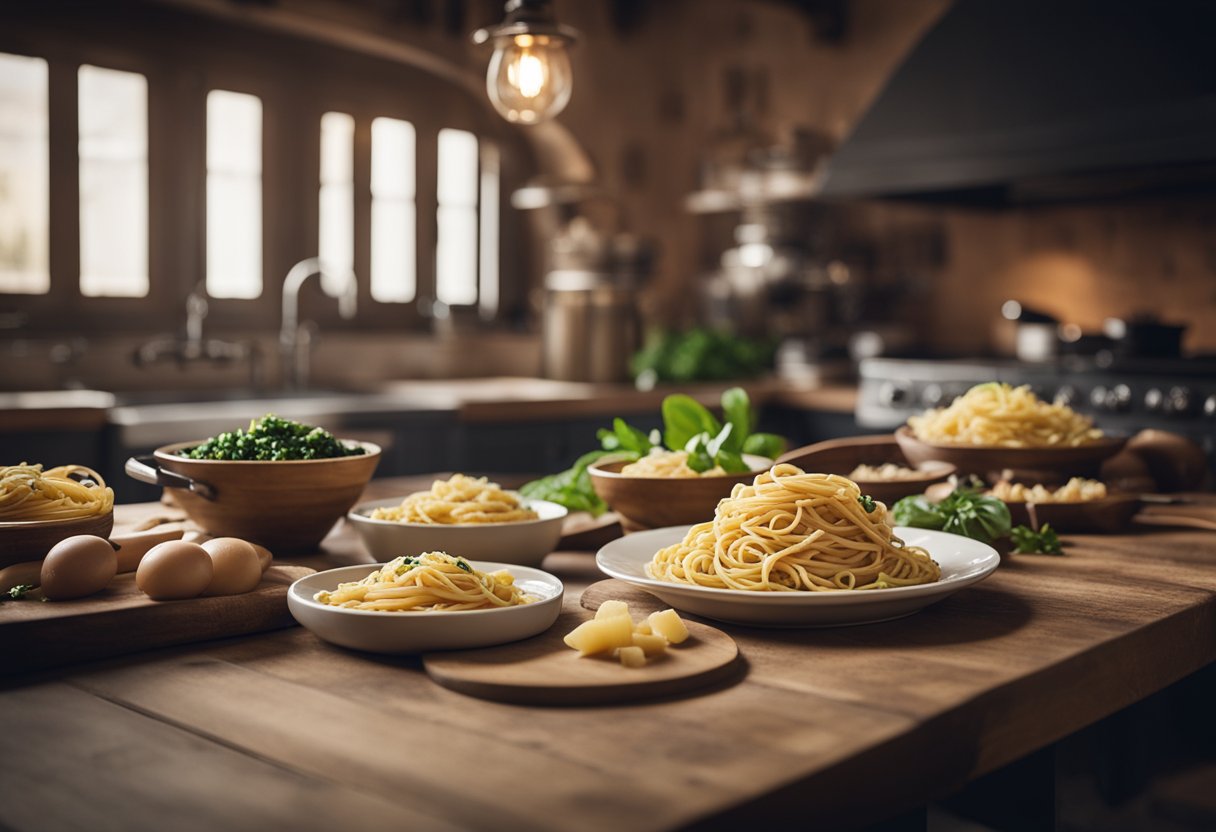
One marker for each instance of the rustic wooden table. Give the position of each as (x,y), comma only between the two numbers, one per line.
(279,730)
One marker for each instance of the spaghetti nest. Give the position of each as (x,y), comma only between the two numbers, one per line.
(431,581)
(790,531)
(662,464)
(29,493)
(999,415)
(460,499)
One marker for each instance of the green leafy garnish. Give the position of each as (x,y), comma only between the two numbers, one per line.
(18,592)
(1027,541)
(461,563)
(867,502)
(965,512)
(272,438)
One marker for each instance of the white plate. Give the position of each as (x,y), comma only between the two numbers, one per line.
(415,632)
(963,561)
(525,542)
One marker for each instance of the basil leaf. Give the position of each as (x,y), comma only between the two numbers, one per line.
(683,418)
(608,439)
(629,437)
(918,512)
(720,441)
(731,462)
(768,445)
(699,458)
(1027,541)
(737,409)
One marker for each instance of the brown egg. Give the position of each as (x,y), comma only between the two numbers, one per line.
(78,566)
(237,567)
(264,556)
(174,570)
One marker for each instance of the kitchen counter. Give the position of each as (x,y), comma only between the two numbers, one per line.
(280,730)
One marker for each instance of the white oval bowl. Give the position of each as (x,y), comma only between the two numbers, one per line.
(525,542)
(414,632)
(963,561)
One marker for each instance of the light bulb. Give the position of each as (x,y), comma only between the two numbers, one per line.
(529,79)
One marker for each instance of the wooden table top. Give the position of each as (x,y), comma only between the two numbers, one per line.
(279,730)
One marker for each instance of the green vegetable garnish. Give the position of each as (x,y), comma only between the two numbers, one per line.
(18,592)
(867,502)
(272,438)
(687,426)
(965,512)
(700,355)
(1027,541)
(462,564)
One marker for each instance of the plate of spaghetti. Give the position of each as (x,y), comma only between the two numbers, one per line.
(470,515)
(798,549)
(431,601)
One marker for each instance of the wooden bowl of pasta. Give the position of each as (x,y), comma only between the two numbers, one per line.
(41,506)
(287,506)
(990,461)
(24,540)
(657,502)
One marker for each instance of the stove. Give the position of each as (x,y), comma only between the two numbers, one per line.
(1122,396)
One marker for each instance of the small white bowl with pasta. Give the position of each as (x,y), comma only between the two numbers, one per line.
(462,515)
(333,605)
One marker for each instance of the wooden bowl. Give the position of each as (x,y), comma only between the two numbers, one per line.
(1028,464)
(841,456)
(22,540)
(1108,515)
(655,502)
(287,506)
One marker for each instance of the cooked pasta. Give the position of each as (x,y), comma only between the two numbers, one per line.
(460,499)
(1076,490)
(887,472)
(432,581)
(660,464)
(29,493)
(790,531)
(999,415)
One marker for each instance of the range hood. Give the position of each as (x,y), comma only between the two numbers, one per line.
(1043,100)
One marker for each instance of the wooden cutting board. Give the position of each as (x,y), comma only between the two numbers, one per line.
(544,671)
(36,634)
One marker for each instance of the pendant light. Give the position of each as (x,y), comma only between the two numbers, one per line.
(529,79)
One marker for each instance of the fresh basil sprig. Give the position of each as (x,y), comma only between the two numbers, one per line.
(965,512)
(1027,541)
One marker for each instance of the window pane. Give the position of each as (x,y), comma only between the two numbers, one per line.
(456,256)
(457,168)
(336,228)
(489,231)
(234,195)
(24,175)
(394,253)
(113,125)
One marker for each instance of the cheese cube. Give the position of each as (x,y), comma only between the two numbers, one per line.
(669,625)
(601,635)
(632,656)
(651,645)
(611,608)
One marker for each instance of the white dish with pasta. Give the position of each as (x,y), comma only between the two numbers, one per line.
(399,633)
(963,562)
(523,542)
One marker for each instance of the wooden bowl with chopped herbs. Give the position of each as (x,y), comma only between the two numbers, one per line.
(279,483)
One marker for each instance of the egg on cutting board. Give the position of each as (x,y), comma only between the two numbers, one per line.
(77,566)
(236,566)
(174,570)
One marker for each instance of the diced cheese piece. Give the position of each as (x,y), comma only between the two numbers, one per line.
(651,645)
(669,625)
(611,608)
(601,635)
(643,627)
(632,656)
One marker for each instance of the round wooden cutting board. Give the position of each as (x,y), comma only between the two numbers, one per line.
(544,671)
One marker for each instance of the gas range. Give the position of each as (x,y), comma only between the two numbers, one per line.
(1124,396)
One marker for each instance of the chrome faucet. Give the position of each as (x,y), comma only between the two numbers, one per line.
(295,341)
(193,347)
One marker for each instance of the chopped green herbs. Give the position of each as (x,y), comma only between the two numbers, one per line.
(18,592)
(1027,541)
(272,438)
(867,502)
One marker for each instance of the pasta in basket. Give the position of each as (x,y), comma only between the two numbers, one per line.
(790,531)
(459,499)
(29,493)
(431,581)
(999,415)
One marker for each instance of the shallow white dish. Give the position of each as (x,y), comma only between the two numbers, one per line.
(525,543)
(963,561)
(415,632)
